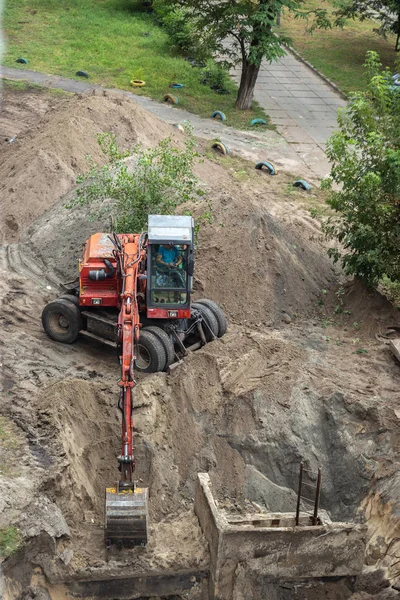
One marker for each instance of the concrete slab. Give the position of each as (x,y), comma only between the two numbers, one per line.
(288,79)
(272,545)
(334,102)
(277,113)
(394,345)
(329,112)
(303,115)
(282,123)
(305,94)
(281,93)
(296,135)
(315,100)
(269,86)
(298,87)
(329,94)
(288,102)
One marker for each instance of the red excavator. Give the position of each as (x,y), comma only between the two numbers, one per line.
(134,294)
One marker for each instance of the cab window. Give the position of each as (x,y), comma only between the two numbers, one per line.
(168,274)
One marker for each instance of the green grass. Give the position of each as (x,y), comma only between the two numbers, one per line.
(106,39)
(339,53)
(10,540)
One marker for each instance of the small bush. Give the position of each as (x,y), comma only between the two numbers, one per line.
(185,35)
(216,76)
(365,180)
(157,181)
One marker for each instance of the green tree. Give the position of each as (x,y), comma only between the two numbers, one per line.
(244,31)
(139,182)
(365,180)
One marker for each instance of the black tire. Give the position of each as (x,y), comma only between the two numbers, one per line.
(70,298)
(62,321)
(166,342)
(218,314)
(211,321)
(151,356)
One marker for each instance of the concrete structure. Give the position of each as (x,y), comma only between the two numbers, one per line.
(272,546)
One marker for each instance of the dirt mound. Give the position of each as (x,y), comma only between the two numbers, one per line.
(21,109)
(366,312)
(256,262)
(42,164)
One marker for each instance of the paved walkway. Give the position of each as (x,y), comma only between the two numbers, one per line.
(299,102)
(294,151)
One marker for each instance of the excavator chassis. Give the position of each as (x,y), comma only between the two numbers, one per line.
(126,512)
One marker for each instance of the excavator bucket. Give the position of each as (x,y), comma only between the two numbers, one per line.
(126,517)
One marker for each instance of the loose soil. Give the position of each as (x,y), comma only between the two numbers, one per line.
(295,378)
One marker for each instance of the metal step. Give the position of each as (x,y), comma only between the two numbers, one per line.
(93,336)
(97,317)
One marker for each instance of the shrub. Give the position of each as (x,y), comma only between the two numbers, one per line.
(216,76)
(365,154)
(182,28)
(156,181)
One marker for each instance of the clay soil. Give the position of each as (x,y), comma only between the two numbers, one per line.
(302,374)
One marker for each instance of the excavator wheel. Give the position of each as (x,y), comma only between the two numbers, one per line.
(211,323)
(62,321)
(166,342)
(150,354)
(70,298)
(218,314)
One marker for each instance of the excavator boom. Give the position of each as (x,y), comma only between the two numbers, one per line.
(126,505)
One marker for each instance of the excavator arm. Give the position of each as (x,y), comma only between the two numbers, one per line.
(126,505)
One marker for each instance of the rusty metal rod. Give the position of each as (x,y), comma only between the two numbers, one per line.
(311,485)
(317,494)
(299,494)
(312,500)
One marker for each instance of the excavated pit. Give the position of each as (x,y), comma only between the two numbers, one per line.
(246,409)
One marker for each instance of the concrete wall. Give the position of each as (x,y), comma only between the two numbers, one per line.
(325,550)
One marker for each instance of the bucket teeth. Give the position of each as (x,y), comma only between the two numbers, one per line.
(126,517)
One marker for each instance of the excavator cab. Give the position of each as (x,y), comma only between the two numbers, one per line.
(170,266)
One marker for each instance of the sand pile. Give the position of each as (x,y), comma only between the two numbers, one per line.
(42,164)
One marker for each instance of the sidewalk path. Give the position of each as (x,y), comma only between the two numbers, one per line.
(306,159)
(301,104)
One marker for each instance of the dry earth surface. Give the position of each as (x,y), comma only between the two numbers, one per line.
(295,378)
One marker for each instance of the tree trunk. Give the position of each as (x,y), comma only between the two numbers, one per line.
(247,82)
(398,32)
